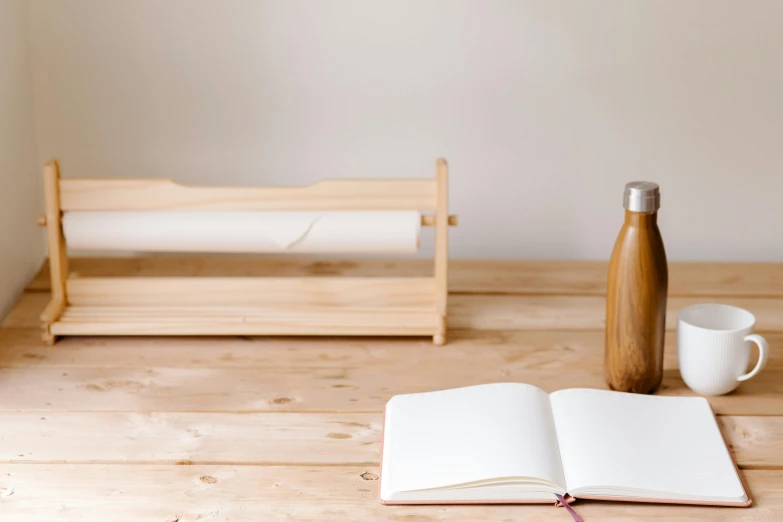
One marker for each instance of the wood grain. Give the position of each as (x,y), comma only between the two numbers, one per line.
(203,438)
(525,350)
(404,293)
(263,438)
(27,311)
(58,264)
(254,414)
(530,277)
(251,306)
(164,194)
(754,441)
(236,266)
(507,312)
(310,390)
(161,493)
(533,312)
(636,306)
(246,321)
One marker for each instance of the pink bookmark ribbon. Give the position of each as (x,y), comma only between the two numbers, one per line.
(568,508)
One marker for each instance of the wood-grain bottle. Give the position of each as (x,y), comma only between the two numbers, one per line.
(636,296)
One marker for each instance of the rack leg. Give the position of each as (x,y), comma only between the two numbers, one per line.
(47,338)
(441,248)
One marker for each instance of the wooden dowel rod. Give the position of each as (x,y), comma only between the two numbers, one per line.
(42,220)
(429,221)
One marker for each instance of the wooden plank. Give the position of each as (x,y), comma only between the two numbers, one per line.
(275,292)
(532,312)
(27,311)
(237,266)
(251,322)
(508,312)
(205,438)
(165,194)
(756,442)
(264,438)
(310,390)
(581,277)
(466,275)
(160,493)
(514,350)
(525,350)
(25,315)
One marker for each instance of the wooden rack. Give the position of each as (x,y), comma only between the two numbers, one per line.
(409,306)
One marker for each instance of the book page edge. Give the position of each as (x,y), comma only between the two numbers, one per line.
(745,503)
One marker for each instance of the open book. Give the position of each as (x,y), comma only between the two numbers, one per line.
(510,442)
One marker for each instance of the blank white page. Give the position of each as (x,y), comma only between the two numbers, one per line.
(444,438)
(643,443)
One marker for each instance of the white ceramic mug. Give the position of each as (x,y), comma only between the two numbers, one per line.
(713,347)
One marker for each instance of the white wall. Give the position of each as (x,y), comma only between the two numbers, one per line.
(543,108)
(21,242)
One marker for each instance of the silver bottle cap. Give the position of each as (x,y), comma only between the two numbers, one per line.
(642,196)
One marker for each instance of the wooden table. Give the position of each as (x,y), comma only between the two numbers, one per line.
(212,429)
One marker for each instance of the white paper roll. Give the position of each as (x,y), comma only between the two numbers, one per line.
(248,232)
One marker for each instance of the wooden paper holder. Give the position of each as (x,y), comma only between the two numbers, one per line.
(409,306)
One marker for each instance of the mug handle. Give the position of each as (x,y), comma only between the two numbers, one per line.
(763,355)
